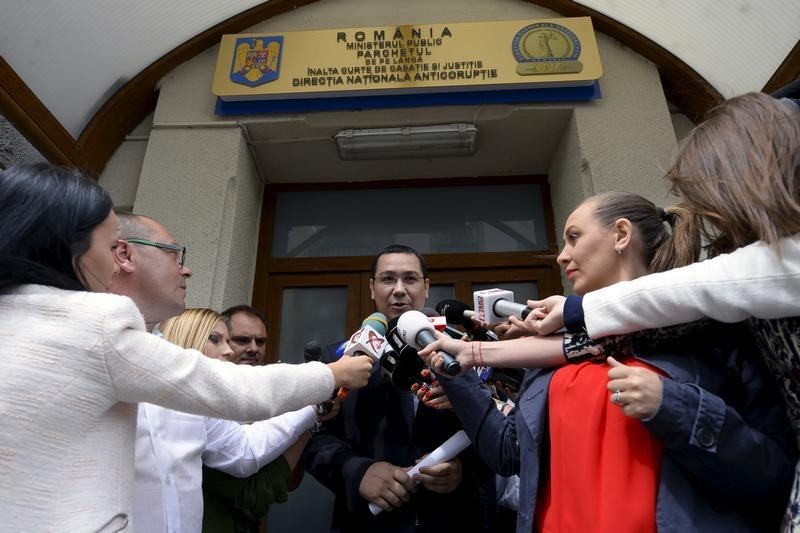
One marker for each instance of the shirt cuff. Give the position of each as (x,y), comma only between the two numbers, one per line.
(573,314)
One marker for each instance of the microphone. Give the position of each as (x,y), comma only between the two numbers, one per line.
(439,323)
(312,351)
(460,314)
(376,320)
(400,365)
(368,340)
(415,330)
(456,313)
(493,306)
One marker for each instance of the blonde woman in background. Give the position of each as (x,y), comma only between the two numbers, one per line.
(186,442)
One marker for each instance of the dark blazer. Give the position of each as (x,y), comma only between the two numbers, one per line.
(729,454)
(377,423)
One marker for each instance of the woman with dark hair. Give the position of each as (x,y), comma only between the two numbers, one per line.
(42,234)
(683,432)
(74,362)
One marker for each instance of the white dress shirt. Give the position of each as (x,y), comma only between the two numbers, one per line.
(171,448)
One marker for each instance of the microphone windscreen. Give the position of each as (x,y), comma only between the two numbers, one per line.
(453,311)
(312,351)
(377,321)
(429,311)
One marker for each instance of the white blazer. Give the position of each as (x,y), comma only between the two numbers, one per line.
(72,367)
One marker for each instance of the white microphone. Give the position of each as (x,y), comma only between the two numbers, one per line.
(368,340)
(493,306)
(417,331)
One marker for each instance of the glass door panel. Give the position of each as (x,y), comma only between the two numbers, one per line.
(311,313)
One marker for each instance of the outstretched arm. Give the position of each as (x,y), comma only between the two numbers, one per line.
(757,280)
(242,449)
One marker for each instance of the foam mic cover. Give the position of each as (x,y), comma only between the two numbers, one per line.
(454,312)
(417,331)
(312,351)
(377,321)
(460,314)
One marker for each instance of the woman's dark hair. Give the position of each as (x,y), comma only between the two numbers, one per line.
(670,237)
(47,215)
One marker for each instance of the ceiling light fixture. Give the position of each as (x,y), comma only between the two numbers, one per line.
(445,140)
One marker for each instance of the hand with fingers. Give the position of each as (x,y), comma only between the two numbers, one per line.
(351,372)
(638,391)
(442,478)
(525,328)
(386,485)
(462,351)
(431,393)
(549,315)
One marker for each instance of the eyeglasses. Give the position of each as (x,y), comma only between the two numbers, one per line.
(408,280)
(179,249)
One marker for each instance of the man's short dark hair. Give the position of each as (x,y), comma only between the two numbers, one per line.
(246,309)
(399,249)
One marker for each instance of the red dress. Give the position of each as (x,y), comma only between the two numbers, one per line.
(603,472)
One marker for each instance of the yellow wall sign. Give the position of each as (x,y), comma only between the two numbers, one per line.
(424,58)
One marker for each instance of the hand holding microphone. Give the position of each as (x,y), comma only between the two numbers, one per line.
(351,372)
(417,331)
(460,351)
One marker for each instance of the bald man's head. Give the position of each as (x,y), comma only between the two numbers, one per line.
(150,274)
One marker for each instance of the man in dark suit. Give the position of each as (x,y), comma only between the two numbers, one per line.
(362,455)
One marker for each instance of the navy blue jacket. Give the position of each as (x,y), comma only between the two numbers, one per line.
(729,454)
(377,423)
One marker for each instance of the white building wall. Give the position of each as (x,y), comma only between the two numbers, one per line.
(197,175)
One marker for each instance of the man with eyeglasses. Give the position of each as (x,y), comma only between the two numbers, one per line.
(363,454)
(171,447)
(152,269)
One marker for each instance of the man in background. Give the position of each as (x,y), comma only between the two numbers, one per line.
(248,330)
